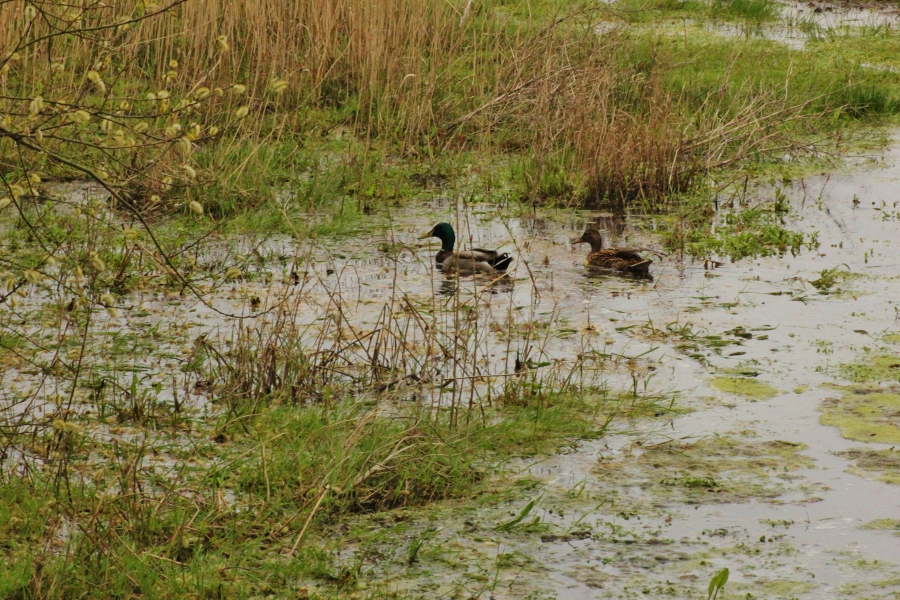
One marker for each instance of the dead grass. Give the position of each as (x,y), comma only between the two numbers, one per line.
(590,109)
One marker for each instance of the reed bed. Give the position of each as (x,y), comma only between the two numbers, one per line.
(590,110)
(456,352)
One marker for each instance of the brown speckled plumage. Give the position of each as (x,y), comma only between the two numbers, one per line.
(618,259)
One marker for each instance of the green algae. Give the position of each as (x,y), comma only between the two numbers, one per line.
(741,386)
(883,367)
(865,414)
(686,574)
(711,470)
(830,282)
(883,465)
(781,588)
(892,525)
(867,589)
(614,551)
(867,411)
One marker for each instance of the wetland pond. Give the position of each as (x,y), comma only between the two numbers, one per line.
(773,450)
(313,416)
(770,361)
(781,463)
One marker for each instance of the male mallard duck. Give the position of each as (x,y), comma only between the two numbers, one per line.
(477,260)
(620,259)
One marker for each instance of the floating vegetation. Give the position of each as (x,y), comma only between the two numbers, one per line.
(743,386)
(883,465)
(865,414)
(710,470)
(227,370)
(829,278)
(202,439)
(695,340)
(739,234)
(881,367)
(892,525)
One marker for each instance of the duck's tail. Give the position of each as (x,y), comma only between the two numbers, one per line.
(641,267)
(501,262)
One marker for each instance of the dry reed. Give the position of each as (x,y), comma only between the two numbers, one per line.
(425,75)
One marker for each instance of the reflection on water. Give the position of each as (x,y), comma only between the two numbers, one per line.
(612,224)
(450,283)
(758,317)
(599,273)
(687,323)
(801,22)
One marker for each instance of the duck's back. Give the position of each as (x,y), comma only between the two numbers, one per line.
(620,259)
(477,260)
(466,264)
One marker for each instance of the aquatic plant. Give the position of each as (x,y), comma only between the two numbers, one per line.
(717,583)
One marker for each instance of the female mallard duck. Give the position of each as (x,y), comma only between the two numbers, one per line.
(477,260)
(619,259)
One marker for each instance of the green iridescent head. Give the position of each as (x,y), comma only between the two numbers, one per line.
(444,232)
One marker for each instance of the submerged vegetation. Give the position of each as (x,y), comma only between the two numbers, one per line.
(159,515)
(867,408)
(864,414)
(203,395)
(743,386)
(883,465)
(711,470)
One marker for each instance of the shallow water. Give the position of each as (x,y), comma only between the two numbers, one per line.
(819,536)
(801,21)
(818,540)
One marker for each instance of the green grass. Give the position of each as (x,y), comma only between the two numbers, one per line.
(234,491)
(304,155)
(838,87)
(253,487)
(732,231)
(750,11)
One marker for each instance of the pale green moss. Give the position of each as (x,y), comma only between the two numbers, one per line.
(741,386)
(883,465)
(864,415)
(711,470)
(866,589)
(877,368)
(892,525)
(785,588)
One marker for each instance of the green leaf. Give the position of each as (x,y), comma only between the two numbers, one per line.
(512,523)
(717,583)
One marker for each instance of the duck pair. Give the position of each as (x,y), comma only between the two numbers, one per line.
(480,260)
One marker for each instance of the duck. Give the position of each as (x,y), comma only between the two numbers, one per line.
(477,260)
(618,259)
